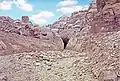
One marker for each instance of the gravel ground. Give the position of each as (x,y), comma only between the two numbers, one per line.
(46,66)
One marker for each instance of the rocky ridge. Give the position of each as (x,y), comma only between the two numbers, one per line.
(18,36)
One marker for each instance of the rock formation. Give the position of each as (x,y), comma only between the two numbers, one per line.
(25,19)
(107,19)
(66,27)
(91,52)
(18,37)
(104,21)
(102,41)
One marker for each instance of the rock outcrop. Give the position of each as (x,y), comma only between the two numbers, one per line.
(104,21)
(68,26)
(102,41)
(18,37)
(107,18)
(25,19)
(13,43)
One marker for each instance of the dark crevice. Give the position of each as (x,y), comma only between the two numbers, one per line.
(44,34)
(65,41)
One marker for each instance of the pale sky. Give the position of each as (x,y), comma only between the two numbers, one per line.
(42,12)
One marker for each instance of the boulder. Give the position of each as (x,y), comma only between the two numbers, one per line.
(25,19)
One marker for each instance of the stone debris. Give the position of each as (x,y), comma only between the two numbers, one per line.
(22,36)
(59,70)
(82,47)
(67,65)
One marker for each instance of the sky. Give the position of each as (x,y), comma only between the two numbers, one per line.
(41,12)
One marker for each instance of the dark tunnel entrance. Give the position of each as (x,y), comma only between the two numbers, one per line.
(65,41)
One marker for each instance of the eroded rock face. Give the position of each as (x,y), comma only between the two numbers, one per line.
(18,37)
(94,34)
(107,17)
(103,52)
(66,27)
(102,41)
(102,3)
(13,43)
(14,26)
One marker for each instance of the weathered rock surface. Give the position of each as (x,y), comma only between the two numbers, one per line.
(68,26)
(103,52)
(107,18)
(99,23)
(13,43)
(46,66)
(104,42)
(25,19)
(94,34)
(59,66)
(18,37)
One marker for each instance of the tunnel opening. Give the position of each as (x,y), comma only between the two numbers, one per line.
(65,41)
(44,34)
